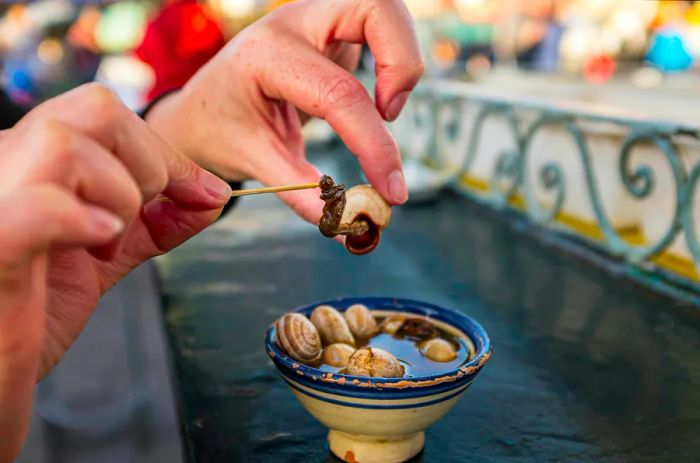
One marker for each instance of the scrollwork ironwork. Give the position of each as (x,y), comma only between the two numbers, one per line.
(508,178)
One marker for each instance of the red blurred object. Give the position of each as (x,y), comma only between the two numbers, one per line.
(600,69)
(177,42)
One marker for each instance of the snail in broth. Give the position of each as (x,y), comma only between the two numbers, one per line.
(374,362)
(299,338)
(331,325)
(355,342)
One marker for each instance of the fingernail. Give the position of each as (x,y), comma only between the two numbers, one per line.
(397,187)
(105,223)
(217,188)
(396,105)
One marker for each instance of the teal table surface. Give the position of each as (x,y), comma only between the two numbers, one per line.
(587,367)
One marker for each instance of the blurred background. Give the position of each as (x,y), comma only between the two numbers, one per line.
(142,48)
(597,50)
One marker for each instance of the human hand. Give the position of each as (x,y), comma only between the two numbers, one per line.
(238,116)
(80,178)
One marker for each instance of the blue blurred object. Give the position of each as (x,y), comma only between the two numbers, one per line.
(19,79)
(543,55)
(45,67)
(668,52)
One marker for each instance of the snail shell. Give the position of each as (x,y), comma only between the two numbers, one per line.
(392,324)
(298,337)
(374,362)
(362,202)
(438,350)
(361,321)
(338,355)
(331,326)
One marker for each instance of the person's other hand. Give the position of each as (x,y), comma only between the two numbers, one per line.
(80,182)
(238,116)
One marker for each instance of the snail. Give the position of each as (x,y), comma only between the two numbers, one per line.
(392,324)
(331,325)
(334,197)
(338,354)
(374,362)
(360,214)
(438,350)
(417,328)
(298,337)
(361,321)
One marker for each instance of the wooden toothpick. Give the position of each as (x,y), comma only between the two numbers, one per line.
(259,191)
(272,189)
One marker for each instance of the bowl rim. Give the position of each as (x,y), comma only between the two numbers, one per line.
(334,382)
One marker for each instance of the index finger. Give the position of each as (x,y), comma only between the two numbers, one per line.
(155,166)
(387,28)
(323,89)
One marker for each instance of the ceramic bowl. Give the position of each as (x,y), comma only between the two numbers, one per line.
(382,420)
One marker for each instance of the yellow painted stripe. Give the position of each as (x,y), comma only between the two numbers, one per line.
(675,263)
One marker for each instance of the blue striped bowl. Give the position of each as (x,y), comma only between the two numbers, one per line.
(382,419)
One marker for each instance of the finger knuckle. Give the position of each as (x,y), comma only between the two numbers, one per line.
(379,7)
(263,28)
(396,5)
(250,38)
(388,146)
(52,203)
(342,92)
(183,168)
(283,12)
(99,100)
(56,142)
(48,196)
(385,151)
(367,5)
(99,93)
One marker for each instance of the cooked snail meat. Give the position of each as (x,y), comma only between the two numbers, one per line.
(417,328)
(334,197)
(360,214)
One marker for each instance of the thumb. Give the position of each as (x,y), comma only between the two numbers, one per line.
(160,227)
(193,186)
(169,225)
(194,199)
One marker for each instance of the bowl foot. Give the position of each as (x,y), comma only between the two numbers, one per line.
(356,448)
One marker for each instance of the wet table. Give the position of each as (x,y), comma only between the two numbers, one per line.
(586,367)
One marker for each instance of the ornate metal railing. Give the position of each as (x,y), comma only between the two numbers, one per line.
(443,127)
